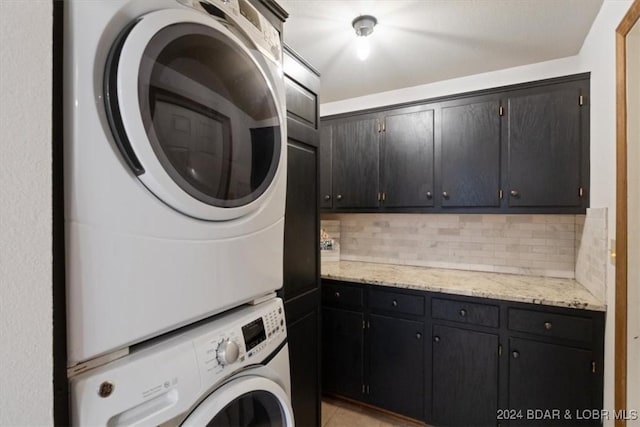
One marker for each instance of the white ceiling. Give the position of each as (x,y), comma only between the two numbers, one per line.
(418,42)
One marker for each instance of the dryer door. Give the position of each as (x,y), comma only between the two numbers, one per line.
(195,114)
(244,402)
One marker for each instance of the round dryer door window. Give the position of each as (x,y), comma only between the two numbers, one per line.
(195,114)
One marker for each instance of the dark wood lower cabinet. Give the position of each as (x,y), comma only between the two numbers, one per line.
(544,377)
(343,352)
(396,365)
(452,360)
(464,377)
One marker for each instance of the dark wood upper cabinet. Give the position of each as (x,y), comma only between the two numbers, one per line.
(544,146)
(407,160)
(522,148)
(470,153)
(355,163)
(326,161)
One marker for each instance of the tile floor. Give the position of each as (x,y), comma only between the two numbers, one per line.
(337,413)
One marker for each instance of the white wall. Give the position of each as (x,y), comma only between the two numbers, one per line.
(597,56)
(26,363)
(509,76)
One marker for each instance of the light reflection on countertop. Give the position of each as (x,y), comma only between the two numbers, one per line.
(510,287)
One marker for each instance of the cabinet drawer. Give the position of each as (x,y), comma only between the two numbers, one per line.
(396,302)
(551,324)
(465,312)
(339,295)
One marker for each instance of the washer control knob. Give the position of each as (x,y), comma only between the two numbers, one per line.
(227,352)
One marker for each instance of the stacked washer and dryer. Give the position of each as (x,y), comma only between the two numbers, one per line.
(175,182)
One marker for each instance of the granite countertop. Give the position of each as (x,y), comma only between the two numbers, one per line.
(510,287)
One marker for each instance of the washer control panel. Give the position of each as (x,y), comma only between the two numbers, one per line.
(248,340)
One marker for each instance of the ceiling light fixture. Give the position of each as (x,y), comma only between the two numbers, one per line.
(363,25)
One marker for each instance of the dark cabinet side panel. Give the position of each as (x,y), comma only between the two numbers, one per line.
(549,376)
(396,365)
(342,352)
(326,166)
(407,160)
(470,162)
(464,377)
(304,354)
(300,241)
(544,147)
(355,164)
(301,103)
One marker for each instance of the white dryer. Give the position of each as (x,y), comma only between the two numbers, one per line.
(232,371)
(175,163)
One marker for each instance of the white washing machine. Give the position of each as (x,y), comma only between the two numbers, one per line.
(231,371)
(175,166)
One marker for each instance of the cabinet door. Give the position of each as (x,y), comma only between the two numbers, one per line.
(470,154)
(545,376)
(407,160)
(342,352)
(355,164)
(396,365)
(301,221)
(464,377)
(326,142)
(304,350)
(544,147)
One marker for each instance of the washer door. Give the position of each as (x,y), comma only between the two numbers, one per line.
(194,114)
(245,402)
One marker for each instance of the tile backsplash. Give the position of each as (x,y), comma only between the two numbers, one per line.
(330,240)
(591,252)
(539,245)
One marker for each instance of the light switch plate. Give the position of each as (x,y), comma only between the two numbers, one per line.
(612,251)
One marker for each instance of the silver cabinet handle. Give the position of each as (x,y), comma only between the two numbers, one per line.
(548,326)
(337,294)
(339,197)
(429,195)
(445,195)
(418,335)
(515,354)
(514,193)
(327,197)
(394,303)
(463,312)
(436,339)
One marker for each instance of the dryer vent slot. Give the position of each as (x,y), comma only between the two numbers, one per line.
(212,10)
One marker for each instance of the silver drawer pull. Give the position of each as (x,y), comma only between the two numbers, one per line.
(394,303)
(515,354)
(337,294)
(463,312)
(548,326)
(418,335)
